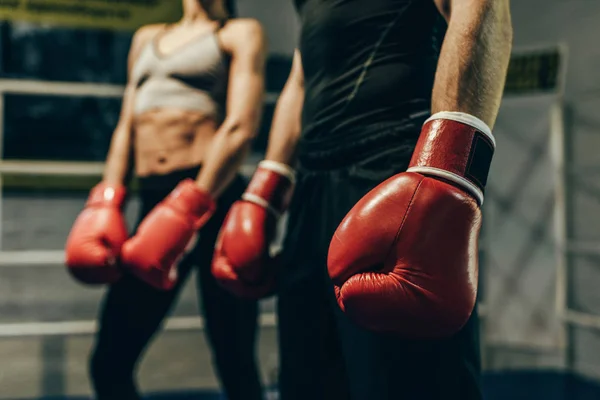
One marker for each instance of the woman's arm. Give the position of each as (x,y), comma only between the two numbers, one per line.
(119,161)
(246,42)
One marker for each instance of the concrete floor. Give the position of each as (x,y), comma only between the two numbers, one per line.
(33,366)
(177,361)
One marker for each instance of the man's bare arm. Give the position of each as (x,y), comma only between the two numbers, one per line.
(474,59)
(245,100)
(118,161)
(286,125)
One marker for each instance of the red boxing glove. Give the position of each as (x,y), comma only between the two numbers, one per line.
(404,259)
(164,235)
(242,263)
(95,241)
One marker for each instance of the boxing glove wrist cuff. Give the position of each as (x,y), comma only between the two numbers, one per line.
(271,187)
(108,195)
(280,168)
(457,147)
(466,119)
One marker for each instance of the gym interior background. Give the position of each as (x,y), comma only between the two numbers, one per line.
(60,89)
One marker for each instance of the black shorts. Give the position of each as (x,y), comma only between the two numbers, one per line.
(323,354)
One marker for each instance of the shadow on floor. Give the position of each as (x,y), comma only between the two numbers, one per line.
(522,385)
(543,385)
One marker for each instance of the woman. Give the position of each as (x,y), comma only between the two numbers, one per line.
(193,99)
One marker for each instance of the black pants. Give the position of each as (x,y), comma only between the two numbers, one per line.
(132,312)
(324,356)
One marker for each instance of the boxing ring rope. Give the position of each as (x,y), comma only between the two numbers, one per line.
(71,328)
(54,258)
(36,87)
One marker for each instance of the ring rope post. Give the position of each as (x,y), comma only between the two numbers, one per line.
(1,175)
(558,157)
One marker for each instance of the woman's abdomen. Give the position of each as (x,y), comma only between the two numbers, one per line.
(167,140)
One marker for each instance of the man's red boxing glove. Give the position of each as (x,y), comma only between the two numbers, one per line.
(94,243)
(164,235)
(404,259)
(242,263)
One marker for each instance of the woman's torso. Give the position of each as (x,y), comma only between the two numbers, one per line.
(181,89)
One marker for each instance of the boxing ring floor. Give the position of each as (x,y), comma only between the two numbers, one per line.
(47,320)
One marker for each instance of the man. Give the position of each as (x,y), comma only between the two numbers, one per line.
(191,109)
(392,136)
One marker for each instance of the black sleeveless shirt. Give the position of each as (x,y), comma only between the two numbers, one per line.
(368,65)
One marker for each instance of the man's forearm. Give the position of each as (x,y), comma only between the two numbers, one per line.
(474,59)
(286,125)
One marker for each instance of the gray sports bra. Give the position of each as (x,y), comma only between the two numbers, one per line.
(192,77)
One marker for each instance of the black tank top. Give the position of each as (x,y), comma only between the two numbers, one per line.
(368,65)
